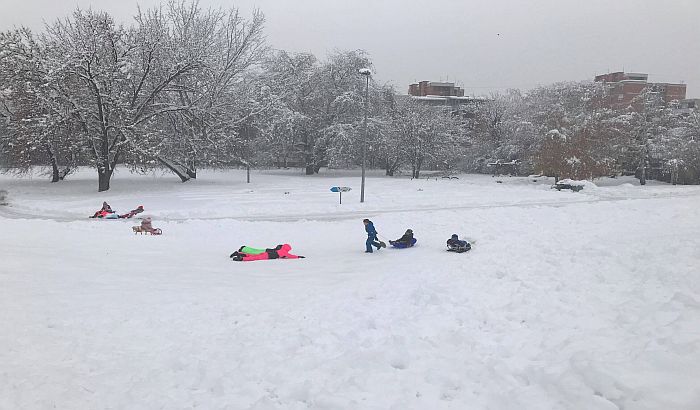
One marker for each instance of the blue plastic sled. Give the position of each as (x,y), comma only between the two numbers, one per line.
(401,245)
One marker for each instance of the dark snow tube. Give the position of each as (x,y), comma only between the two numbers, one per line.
(459,248)
(403,245)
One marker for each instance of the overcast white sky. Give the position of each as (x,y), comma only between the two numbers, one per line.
(485,45)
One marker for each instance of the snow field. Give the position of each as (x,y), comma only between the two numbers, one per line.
(567,301)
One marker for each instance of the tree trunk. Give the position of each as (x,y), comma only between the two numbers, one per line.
(642,173)
(674,173)
(247,169)
(419,164)
(191,169)
(103,178)
(392,167)
(177,169)
(63,174)
(309,161)
(181,173)
(55,173)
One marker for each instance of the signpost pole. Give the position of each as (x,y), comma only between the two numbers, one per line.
(340,190)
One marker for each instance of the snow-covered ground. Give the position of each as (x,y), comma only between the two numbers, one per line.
(587,300)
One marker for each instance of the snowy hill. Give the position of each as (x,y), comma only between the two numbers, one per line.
(586,300)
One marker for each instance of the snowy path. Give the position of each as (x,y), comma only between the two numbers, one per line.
(12,212)
(592,304)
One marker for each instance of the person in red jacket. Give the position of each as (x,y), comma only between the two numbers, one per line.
(278,252)
(105,211)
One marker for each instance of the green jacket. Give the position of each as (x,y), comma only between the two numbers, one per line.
(251,251)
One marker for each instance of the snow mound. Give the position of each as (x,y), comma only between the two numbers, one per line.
(574,182)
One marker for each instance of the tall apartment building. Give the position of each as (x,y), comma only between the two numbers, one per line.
(624,88)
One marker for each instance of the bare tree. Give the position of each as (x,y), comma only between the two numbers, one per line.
(427,134)
(38,130)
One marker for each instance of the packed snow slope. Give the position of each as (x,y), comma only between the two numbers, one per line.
(587,300)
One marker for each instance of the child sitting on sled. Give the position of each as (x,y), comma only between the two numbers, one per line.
(104,212)
(406,241)
(454,244)
(147,227)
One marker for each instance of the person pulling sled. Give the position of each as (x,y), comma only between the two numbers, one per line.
(454,244)
(372,239)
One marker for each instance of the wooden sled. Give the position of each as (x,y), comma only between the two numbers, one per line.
(138,229)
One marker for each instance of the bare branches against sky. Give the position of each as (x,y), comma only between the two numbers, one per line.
(485,46)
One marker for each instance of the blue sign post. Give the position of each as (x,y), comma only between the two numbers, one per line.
(340,190)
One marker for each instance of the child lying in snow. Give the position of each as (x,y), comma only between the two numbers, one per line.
(107,213)
(247,254)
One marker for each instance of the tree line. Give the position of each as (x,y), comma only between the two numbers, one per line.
(184,87)
(568,130)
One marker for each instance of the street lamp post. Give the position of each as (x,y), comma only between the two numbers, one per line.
(367,73)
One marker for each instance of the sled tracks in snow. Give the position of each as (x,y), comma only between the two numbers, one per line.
(10,212)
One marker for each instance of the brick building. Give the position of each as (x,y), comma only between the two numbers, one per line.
(624,88)
(430,88)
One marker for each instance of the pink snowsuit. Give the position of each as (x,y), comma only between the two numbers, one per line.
(279,252)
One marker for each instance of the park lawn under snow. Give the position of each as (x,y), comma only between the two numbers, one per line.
(587,300)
